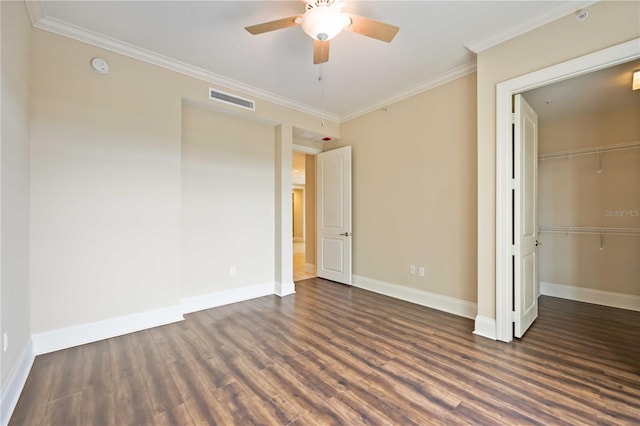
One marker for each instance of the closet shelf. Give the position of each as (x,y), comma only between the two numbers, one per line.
(591,150)
(588,230)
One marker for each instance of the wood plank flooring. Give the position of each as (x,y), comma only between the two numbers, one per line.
(332,354)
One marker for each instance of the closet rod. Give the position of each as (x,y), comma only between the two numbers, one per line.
(588,230)
(591,150)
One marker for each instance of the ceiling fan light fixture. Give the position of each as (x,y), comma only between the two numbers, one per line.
(324,23)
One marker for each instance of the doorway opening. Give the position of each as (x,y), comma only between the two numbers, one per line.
(303,217)
(303,198)
(606,58)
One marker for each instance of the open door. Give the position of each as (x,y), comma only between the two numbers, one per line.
(333,195)
(525,244)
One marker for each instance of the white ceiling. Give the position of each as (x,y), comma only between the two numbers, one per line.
(208,39)
(601,90)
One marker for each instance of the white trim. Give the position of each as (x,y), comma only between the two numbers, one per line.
(420,297)
(63,338)
(604,58)
(56,26)
(284,289)
(34,8)
(590,295)
(485,327)
(225,297)
(17,379)
(84,35)
(432,83)
(310,268)
(306,149)
(550,14)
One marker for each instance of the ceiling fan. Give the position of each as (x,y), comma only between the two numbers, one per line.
(323,20)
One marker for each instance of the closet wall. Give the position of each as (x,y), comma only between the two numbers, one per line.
(579,191)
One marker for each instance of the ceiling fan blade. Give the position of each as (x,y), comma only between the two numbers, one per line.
(320,51)
(371,28)
(274,25)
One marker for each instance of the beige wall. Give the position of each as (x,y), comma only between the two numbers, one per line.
(609,23)
(298,214)
(614,126)
(573,193)
(310,210)
(414,190)
(105,152)
(14,180)
(228,194)
(106,184)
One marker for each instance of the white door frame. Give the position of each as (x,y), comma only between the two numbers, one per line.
(310,151)
(605,58)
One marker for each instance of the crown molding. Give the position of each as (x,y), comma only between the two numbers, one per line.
(432,83)
(549,15)
(41,21)
(56,26)
(34,8)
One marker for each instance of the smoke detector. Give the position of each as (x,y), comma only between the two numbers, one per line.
(100,65)
(581,15)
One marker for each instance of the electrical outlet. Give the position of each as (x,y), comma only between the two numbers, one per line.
(232,270)
(412,269)
(421,271)
(5,341)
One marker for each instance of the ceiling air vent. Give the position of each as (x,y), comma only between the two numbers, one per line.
(231,99)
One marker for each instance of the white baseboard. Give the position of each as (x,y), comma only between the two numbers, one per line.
(485,327)
(86,333)
(68,337)
(226,297)
(17,379)
(310,268)
(432,300)
(285,288)
(589,295)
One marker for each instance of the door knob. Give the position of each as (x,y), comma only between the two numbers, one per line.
(346,234)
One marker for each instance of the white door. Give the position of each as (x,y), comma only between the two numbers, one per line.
(525,218)
(333,183)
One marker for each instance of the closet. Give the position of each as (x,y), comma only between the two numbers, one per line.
(589,199)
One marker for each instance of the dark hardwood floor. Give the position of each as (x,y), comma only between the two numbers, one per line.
(333,354)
